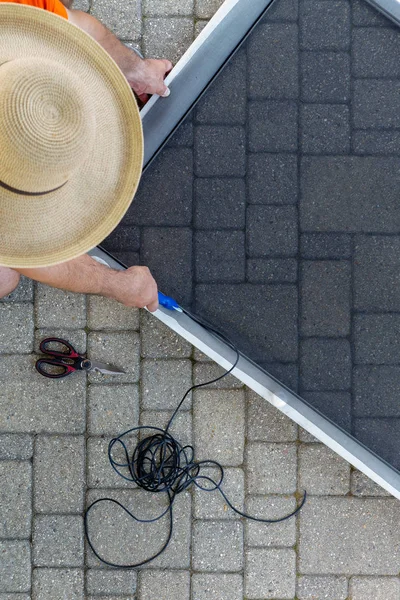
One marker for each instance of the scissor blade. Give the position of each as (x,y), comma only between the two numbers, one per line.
(105,368)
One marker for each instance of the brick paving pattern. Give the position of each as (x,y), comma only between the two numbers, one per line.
(53,435)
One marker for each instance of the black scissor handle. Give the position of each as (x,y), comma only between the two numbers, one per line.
(65,368)
(70,350)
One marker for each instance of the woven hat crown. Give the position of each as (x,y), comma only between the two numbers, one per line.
(46,124)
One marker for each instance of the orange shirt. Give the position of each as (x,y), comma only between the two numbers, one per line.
(54,6)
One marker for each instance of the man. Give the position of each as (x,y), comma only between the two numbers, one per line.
(135,286)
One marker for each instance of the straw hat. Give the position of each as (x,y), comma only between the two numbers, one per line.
(71,143)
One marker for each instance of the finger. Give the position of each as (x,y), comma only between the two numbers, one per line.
(165,92)
(168,65)
(143,98)
(152,306)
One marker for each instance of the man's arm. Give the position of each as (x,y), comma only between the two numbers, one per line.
(145,76)
(133,287)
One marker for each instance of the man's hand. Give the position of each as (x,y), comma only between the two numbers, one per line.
(147,77)
(134,287)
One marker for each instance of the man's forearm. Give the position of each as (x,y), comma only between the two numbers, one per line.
(125,58)
(82,275)
(133,287)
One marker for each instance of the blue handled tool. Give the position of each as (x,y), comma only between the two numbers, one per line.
(168,302)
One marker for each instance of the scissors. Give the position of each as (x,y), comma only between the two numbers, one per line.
(67,361)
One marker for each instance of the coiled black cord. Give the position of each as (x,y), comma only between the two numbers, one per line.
(159,463)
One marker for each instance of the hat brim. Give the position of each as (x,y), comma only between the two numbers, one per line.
(38,231)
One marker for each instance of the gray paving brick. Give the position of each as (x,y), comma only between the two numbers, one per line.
(217,546)
(164,196)
(220,203)
(15,597)
(121,349)
(139,541)
(57,584)
(124,237)
(180,429)
(325,24)
(365,15)
(110,581)
(272,231)
(329,588)
(376,142)
(199,26)
(275,270)
(288,374)
(325,364)
(376,382)
(361,485)
(374,103)
(23,293)
(376,339)
(16,327)
(380,435)
(266,423)
(104,313)
(325,77)
(205,9)
(285,10)
(211,505)
(159,584)
(379,588)
(267,534)
(362,535)
(167,37)
(326,298)
(278,41)
(325,245)
(271,468)
(15,499)
(76,337)
(31,403)
(325,129)
(206,371)
(154,8)
(219,256)
(214,108)
(128,259)
(14,446)
(270,573)
(123,20)
(272,179)
(58,541)
(164,383)
(374,53)
(223,586)
(341,194)
(220,151)
(159,341)
(370,254)
(58,474)
(335,405)
(15,566)
(323,472)
(113,409)
(272,126)
(219,425)
(100,473)
(276,303)
(175,244)
(184,135)
(59,309)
